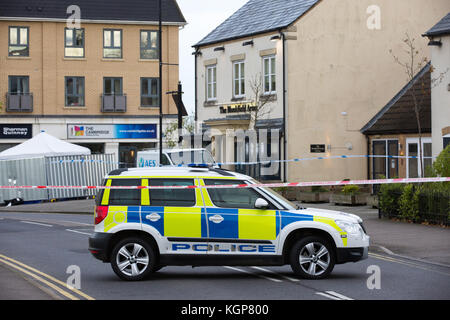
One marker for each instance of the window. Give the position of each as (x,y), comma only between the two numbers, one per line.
(74,43)
(112,86)
(241,198)
(18,42)
(19,85)
(149,92)
(172,197)
(269,75)
(125,197)
(149,44)
(238,79)
(74,91)
(112,43)
(211,83)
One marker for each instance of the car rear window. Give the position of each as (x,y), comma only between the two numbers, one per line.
(172,197)
(125,197)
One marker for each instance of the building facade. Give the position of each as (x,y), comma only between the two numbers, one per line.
(439,44)
(95,84)
(334,70)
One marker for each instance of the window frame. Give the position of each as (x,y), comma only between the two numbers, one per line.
(73,42)
(137,191)
(271,73)
(74,85)
(191,181)
(212,83)
(112,86)
(149,95)
(239,78)
(113,44)
(11,77)
(18,44)
(148,47)
(237,182)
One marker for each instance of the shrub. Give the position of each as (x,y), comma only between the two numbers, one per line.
(350,190)
(389,196)
(319,189)
(409,203)
(442,164)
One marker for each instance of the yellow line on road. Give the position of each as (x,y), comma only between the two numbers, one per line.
(34,273)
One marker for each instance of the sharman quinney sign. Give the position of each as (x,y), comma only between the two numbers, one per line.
(16,131)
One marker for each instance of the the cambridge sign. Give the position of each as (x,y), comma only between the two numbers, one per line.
(111,131)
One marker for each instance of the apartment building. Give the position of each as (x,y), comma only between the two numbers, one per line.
(88,73)
(324,66)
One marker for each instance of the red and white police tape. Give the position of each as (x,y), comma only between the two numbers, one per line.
(258,185)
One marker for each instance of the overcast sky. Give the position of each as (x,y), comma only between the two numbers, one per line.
(202,17)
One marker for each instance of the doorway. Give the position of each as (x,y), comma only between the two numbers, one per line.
(413,153)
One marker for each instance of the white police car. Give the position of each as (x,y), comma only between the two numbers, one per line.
(142,230)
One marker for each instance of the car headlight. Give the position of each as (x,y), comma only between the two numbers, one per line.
(351,228)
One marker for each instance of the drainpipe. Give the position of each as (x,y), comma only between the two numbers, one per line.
(368,158)
(283,39)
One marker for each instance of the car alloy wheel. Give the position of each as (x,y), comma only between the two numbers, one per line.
(133,259)
(314,259)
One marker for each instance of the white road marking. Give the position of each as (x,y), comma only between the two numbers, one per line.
(280,275)
(37,223)
(328,296)
(81,223)
(342,297)
(75,231)
(255,274)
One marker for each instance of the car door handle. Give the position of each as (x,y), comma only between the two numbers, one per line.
(216,218)
(153,217)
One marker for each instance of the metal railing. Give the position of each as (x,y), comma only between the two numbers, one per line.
(19,102)
(113,102)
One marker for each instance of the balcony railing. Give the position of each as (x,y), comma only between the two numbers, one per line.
(19,102)
(114,103)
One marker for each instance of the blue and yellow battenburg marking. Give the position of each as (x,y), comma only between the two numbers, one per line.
(192,222)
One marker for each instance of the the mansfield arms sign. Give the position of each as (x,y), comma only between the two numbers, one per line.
(238,107)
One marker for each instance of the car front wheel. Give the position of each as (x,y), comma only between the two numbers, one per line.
(312,258)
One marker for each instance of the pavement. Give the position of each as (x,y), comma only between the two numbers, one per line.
(424,243)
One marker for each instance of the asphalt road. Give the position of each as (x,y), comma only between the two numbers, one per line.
(46,245)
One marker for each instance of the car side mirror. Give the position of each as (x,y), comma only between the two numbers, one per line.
(260,203)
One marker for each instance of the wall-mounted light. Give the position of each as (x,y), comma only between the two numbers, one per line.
(248,43)
(219,48)
(275,38)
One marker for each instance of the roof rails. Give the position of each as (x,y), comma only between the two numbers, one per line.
(223,172)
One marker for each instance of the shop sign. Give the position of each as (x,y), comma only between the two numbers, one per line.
(111,131)
(16,131)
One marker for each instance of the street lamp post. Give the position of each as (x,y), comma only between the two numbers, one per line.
(160,84)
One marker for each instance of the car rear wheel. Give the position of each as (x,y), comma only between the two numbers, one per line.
(133,259)
(312,258)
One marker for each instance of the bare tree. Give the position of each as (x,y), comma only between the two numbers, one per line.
(412,65)
(172,133)
(262,106)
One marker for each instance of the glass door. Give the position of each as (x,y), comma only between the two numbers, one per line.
(383,166)
(413,166)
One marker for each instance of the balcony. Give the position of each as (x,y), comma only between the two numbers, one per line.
(19,102)
(114,103)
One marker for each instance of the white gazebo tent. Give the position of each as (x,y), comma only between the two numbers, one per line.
(43,145)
